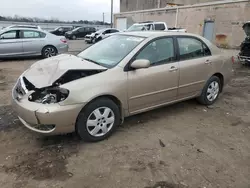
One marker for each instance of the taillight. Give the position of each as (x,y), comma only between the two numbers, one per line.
(63,40)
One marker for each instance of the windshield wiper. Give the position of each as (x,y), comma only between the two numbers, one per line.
(92,61)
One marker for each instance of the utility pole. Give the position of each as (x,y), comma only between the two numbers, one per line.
(103,18)
(111,20)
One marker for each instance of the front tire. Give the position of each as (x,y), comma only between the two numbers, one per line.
(74,37)
(211,91)
(98,120)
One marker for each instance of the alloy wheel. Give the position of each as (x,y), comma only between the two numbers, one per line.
(49,52)
(213,91)
(100,121)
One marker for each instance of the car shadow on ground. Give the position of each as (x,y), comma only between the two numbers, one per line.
(130,122)
(50,156)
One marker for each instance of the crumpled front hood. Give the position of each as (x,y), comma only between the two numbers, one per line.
(45,72)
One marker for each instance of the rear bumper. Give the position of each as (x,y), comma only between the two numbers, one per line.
(63,48)
(88,40)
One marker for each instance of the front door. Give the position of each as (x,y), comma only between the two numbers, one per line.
(195,66)
(157,85)
(33,41)
(10,44)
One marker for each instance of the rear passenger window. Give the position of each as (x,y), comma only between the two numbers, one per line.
(81,29)
(31,34)
(160,27)
(191,48)
(42,35)
(158,52)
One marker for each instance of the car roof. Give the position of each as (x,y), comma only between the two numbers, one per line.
(148,34)
(21,28)
(24,26)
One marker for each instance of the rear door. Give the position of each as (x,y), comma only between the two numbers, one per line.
(10,43)
(33,41)
(82,32)
(195,62)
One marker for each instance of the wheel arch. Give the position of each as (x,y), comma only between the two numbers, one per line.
(221,77)
(112,98)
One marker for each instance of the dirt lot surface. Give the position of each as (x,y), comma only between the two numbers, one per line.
(179,146)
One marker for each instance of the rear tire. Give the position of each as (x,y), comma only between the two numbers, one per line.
(211,91)
(98,120)
(49,51)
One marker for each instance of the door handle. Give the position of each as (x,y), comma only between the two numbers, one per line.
(173,68)
(208,61)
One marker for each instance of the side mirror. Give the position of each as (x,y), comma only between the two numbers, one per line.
(140,64)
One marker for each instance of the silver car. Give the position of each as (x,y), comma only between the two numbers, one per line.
(15,42)
(24,26)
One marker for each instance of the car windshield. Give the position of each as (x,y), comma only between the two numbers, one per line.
(76,29)
(110,51)
(137,28)
(56,28)
(140,27)
(100,31)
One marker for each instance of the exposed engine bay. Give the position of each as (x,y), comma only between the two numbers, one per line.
(72,75)
(49,95)
(244,55)
(54,93)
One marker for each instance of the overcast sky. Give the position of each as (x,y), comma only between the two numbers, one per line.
(67,10)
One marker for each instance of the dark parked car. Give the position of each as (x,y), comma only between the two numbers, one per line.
(79,32)
(60,31)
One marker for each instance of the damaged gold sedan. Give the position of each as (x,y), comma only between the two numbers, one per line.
(123,75)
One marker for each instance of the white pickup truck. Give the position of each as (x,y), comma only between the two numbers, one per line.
(153,26)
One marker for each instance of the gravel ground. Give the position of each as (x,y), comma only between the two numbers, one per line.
(179,146)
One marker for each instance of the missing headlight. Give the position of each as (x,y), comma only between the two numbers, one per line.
(49,95)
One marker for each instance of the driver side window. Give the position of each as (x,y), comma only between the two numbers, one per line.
(9,35)
(158,52)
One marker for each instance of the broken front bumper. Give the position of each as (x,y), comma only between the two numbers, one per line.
(44,118)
